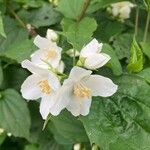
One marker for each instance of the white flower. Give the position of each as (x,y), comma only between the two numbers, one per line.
(93,58)
(51,35)
(48,52)
(77,91)
(122,9)
(41,84)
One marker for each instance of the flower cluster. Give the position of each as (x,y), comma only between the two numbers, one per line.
(75,94)
(121,10)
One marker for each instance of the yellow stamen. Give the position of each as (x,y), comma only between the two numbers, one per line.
(50,54)
(44,86)
(82,91)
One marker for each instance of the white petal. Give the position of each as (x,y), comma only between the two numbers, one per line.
(61,67)
(33,68)
(92,47)
(47,102)
(30,89)
(42,43)
(53,81)
(96,61)
(101,86)
(77,73)
(86,104)
(62,99)
(79,106)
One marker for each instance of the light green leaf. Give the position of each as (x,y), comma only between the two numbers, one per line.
(145,74)
(122,121)
(2,32)
(78,34)
(14,114)
(19,51)
(69,128)
(136,58)
(70,9)
(146,48)
(114,63)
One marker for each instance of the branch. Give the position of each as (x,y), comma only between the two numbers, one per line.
(83,10)
(29,28)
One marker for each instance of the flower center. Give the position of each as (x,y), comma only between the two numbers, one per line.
(82,91)
(50,54)
(44,86)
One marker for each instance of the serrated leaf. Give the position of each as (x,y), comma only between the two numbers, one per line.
(19,51)
(78,34)
(122,121)
(114,63)
(2,32)
(14,114)
(136,58)
(70,9)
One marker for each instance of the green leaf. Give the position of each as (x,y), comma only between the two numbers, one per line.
(70,9)
(31,147)
(1,74)
(97,4)
(2,32)
(136,58)
(14,114)
(69,128)
(146,48)
(122,45)
(15,34)
(114,63)
(122,121)
(19,51)
(43,16)
(145,74)
(79,34)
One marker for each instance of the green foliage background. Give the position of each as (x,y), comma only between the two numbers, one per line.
(120,122)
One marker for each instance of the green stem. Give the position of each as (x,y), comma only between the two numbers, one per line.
(146,27)
(136,22)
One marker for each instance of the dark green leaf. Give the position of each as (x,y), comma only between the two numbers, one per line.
(121,122)
(78,34)
(69,127)
(19,51)
(114,63)
(14,114)
(44,16)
